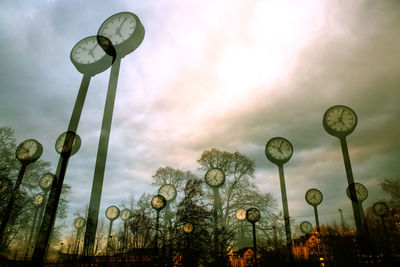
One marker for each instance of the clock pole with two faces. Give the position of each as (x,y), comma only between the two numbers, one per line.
(125,33)
(158,202)
(253,215)
(340,121)
(279,150)
(314,197)
(27,152)
(169,193)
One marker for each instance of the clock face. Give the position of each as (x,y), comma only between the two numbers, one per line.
(215,177)
(380,208)
(253,215)
(79,222)
(112,212)
(87,51)
(314,197)
(68,142)
(46,181)
(118,28)
(306,227)
(339,120)
(168,191)
(29,151)
(278,150)
(126,214)
(361,192)
(5,185)
(37,199)
(240,214)
(158,202)
(188,228)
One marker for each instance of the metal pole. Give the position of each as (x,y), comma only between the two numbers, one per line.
(55,192)
(255,244)
(350,180)
(33,228)
(285,210)
(12,200)
(108,238)
(97,186)
(156,237)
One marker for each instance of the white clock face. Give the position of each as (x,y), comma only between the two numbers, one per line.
(79,222)
(46,181)
(380,208)
(188,228)
(112,212)
(168,191)
(340,118)
(240,214)
(118,28)
(314,196)
(215,177)
(27,149)
(253,215)
(87,51)
(37,199)
(306,227)
(279,149)
(158,202)
(361,192)
(126,214)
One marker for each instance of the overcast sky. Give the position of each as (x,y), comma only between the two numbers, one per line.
(224,74)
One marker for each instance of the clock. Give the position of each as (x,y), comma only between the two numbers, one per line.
(188,228)
(46,181)
(313,197)
(112,212)
(158,202)
(68,142)
(126,214)
(79,222)
(89,57)
(215,177)
(361,192)
(306,227)
(125,31)
(253,215)
(240,214)
(6,185)
(339,121)
(29,151)
(380,209)
(37,199)
(278,150)
(168,191)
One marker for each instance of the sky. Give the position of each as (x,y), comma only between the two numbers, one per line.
(213,74)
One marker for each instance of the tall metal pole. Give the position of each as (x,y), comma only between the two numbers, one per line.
(33,228)
(108,238)
(255,243)
(97,186)
(55,192)
(156,237)
(350,180)
(285,210)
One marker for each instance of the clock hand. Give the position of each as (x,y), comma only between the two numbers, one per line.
(118,30)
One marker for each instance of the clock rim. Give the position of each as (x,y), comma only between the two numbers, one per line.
(309,190)
(116,217)
(172,199)
(133,41)
(380,203)
(333,132)
(223,178)
(163,200)
(75,148)
(274,160)
(253,209)
(34,157)
(80,218)
(94,68)
(34,199)
(355,184)
(40,182)
(302,224)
